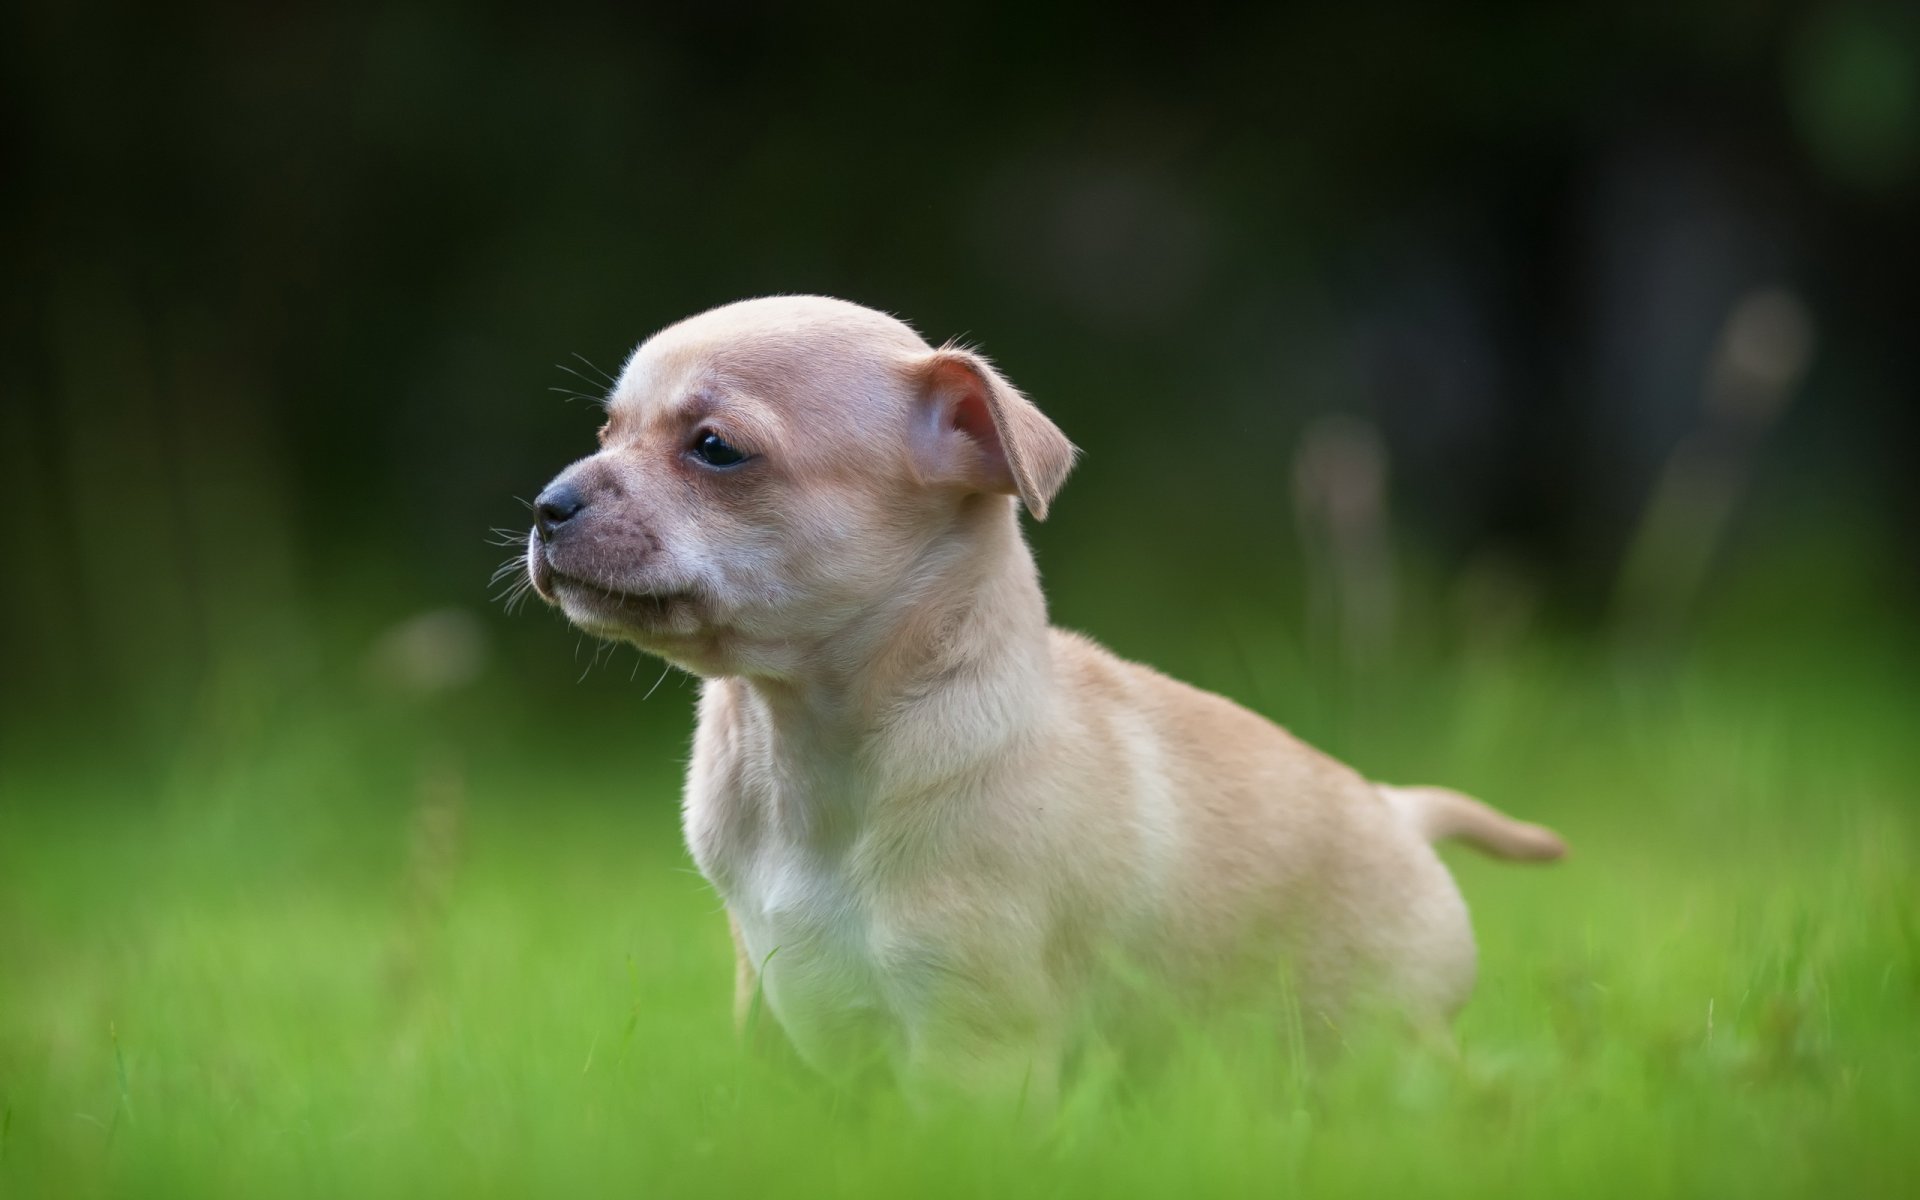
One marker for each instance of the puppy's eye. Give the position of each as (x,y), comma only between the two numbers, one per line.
(713,450)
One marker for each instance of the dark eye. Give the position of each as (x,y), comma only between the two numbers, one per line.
(713,450)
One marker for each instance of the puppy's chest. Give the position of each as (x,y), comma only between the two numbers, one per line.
(823,952)
(811,920)
(806,911)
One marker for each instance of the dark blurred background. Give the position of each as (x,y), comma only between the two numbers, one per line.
(1371,318)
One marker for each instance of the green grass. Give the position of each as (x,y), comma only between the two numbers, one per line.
(327,947)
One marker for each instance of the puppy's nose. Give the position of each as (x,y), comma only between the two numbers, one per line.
(555,507)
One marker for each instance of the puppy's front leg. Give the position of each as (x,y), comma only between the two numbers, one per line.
(980,1029)
(752,1024)
(1004,1070)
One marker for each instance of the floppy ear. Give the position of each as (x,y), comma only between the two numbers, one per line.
(974,430)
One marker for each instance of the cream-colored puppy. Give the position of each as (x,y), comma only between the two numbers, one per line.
(945,832)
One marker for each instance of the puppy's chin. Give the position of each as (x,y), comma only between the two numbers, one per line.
(682,626)
(610,610)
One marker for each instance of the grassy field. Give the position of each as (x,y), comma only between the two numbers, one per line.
(333,945)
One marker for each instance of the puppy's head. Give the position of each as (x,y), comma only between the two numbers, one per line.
(771,473)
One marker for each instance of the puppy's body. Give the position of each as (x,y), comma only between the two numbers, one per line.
(949,837)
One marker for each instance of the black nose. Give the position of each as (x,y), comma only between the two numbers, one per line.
(555,507)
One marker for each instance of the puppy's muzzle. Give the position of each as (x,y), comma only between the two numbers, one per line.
(553,508)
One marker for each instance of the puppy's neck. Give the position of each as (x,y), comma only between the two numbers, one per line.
(945,671)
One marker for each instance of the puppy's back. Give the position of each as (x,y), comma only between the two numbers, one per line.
(1255,844)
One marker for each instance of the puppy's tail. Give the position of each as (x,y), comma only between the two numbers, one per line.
(1438,813)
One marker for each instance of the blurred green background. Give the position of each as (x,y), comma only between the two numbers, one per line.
(1515,397)
(286,288)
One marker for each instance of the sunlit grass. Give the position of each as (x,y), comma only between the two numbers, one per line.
(360,952)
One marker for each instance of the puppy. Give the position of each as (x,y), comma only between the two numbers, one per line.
(950,838)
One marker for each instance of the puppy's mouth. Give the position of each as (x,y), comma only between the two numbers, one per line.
(612,606)
(602,607)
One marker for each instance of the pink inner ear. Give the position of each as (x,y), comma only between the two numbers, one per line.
(966,448)
(972,417)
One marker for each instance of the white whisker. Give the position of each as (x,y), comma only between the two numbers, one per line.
(611,381)
(656,683)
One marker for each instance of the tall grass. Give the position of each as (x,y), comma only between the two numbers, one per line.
(364,950)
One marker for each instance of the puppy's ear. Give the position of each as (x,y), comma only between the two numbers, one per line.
(974,430)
